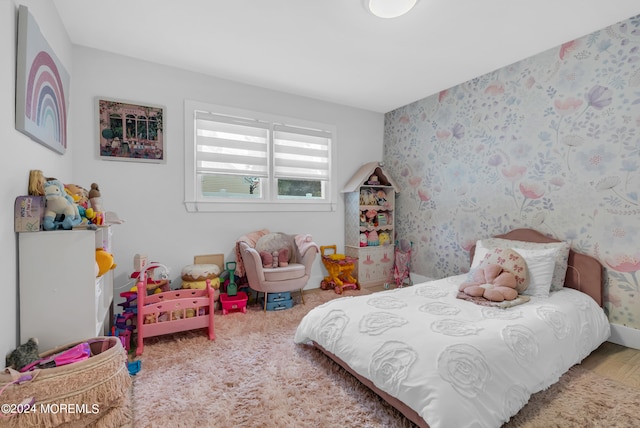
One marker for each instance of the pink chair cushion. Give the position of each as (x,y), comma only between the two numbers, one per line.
(293,271)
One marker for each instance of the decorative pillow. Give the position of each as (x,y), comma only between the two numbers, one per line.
(278,243)
(540,265)
(511,261)
(559,249)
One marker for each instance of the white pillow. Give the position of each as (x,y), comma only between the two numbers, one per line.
(540,265)
(561,255)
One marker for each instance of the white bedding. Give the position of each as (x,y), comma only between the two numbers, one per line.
(458,364)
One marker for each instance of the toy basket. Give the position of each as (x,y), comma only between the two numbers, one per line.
(98,388)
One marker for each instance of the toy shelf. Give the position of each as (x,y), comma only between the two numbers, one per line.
(374,261)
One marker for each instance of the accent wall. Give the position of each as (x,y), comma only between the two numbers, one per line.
(551,143)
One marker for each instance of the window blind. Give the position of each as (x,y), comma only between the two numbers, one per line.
(231,145)
(300,153)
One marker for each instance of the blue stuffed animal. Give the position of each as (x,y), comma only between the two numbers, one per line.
(61,212)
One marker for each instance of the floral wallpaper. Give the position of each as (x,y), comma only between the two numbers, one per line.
(550,143)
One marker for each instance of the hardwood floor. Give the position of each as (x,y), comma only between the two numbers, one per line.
(614,361)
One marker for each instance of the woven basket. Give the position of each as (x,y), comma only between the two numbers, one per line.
(97,390)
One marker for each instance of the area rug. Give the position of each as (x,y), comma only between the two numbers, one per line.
(253,375)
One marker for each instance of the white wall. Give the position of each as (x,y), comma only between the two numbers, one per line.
(19,153)
(150,196)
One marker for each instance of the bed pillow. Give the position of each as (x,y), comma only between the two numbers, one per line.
(540,266)
(561,255)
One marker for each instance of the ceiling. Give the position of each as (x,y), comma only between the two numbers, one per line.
(334,50)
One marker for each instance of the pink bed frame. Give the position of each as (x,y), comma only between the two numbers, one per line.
(201,301)
(584,273)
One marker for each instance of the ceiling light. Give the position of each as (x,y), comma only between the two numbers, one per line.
(389,8)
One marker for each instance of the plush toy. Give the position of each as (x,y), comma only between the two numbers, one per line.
(372,216)
(363,239)
(372,239)
(61,212)
(23,355)
(384,238)
(491,282)
(79,194)
(381,197)
(367,197)
(500,276)
(275,249)
(283,257)
(279,258)
(105,261)
(267,259)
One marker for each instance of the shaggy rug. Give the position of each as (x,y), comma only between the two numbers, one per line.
(253,375)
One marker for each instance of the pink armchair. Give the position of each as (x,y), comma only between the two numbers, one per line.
(281,279)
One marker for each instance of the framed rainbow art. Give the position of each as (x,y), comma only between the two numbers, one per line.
(42,87)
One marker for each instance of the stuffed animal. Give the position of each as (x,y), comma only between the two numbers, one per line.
(367,197)
(275,249)
(267,259)
(381,197)
(61,212)
(104,261)
(79,194)
(372,216)
(492,282)
(278,258)
(23,355)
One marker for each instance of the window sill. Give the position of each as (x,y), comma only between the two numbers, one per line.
(253,206)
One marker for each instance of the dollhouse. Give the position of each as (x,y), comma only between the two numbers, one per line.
(369,223)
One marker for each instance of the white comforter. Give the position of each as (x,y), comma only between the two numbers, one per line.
(458,364)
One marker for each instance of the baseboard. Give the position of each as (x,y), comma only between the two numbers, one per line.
(417,278)
(625,336)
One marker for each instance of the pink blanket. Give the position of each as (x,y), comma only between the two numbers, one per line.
(304,242)
(251,239)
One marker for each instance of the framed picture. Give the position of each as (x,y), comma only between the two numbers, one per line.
(130,131)
(42,87)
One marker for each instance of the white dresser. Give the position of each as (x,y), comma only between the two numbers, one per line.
(61,300)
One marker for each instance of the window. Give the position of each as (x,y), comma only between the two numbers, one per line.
(238,160)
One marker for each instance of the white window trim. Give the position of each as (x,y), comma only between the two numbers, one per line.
(194,203)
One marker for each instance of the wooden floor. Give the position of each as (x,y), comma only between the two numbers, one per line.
(616,362)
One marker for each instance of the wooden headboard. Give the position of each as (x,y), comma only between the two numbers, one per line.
(584,273)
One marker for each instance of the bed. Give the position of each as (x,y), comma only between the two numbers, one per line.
(444,361)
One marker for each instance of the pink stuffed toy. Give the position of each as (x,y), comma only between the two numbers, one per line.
(279,258)
(492,282)
(267,259)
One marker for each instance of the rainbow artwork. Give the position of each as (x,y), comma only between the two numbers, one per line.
(41,87)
